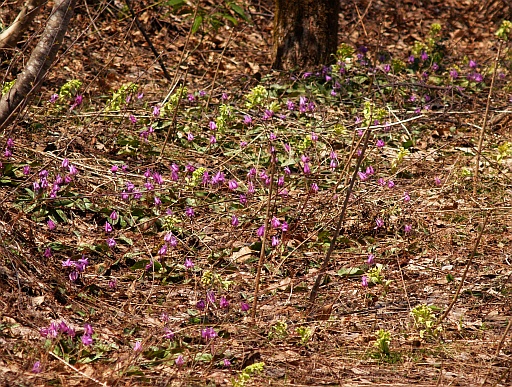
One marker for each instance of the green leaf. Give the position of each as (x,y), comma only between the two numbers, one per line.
(350,271)
(239,10)
(197,23)
(140,264)
(204,357)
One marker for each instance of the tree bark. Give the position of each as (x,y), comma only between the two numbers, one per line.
(29,81)
(305,33)
(10,37)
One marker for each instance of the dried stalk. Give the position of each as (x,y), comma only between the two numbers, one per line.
(341,219)
(265,232)
(464,275)
(486,116)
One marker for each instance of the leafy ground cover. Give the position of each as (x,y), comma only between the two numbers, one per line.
(134,214)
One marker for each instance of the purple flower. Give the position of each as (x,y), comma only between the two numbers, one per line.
(108,227)
(51,225)
(189,212)
(73,276)
(86,340)
(371,259)
(407,198)
(424,56)
(132,118)
(307,169)
(72,170)
(208,333)
(243,144)
(478,77)
(290,105)
(168,334)
(77,102)
(140,95)
(226,363)
(54,97)
(200,305)
(284,226)
(88,330)
(156,110)
(224,303)
(212,125)
(202,93)
(369,170)
(407,228)
(472,64)
(380,143)
(379,223)
(190,137)
(411,59)
(391,184)
(112,284)
(364,281)
(454,74)
(163,250)
(188,263)
(180,361)
(213,140)
(247,120)
(275,241)
(435,67)
(36,368)
(437,180)
(48,252)
(261,231)
(244,306)
(386,68)
(276,223)
(137,346)
(191,97)
(234,221)
(362,176)
(314,188)
(233,185)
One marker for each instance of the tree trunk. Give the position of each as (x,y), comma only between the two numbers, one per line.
(29,81)
(305,33)
(10,37)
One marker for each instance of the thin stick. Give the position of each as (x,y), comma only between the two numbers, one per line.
(486,116)
(464,275)
(80,372)
(217,69)
(173,83)
(148,41)
(175,114)
(265,232)
(323,269)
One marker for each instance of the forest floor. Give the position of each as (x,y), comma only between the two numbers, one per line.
(131,220)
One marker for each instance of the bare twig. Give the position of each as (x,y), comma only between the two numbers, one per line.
(486,116)
(148,41)
(78,371)
(217,69)
(264,239)
(175,114)
(466,269)
(323,269)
